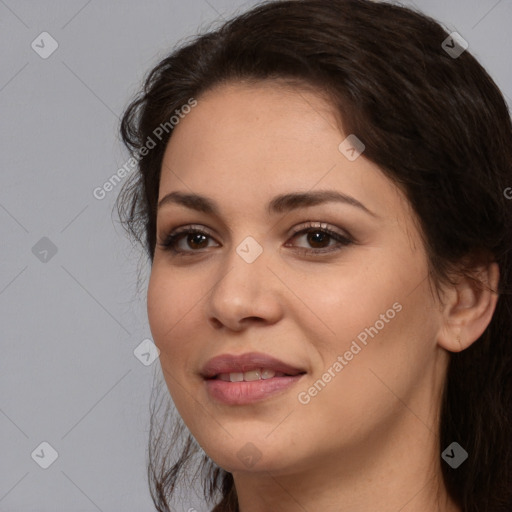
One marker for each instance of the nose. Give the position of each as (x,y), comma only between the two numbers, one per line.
(246,291)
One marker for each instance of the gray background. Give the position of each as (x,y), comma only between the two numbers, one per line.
(70,321)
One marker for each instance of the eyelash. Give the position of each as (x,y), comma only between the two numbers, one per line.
(170,242)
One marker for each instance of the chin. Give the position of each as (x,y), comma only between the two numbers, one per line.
(247,453)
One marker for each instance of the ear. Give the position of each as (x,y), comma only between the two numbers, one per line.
(468,307)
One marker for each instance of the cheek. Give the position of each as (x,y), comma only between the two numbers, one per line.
(158,301)
(362,393)
(353,301)
(175,305)
(167,306)
(381,317)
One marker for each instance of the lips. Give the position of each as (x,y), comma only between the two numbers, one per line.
(229,363)
(236,380)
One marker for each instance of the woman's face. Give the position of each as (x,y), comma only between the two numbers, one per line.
(355,316)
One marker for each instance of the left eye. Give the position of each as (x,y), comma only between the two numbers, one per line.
(316,236)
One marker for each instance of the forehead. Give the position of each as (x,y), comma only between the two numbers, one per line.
(251,142)
(245,119)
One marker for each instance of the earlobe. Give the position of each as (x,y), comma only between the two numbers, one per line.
(468,309)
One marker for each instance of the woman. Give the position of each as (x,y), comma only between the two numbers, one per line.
(321,194)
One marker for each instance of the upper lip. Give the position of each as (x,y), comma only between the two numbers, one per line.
(229,363)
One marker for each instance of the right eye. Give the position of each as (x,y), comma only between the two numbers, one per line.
(194,237)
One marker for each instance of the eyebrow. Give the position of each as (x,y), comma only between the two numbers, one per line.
(279,204)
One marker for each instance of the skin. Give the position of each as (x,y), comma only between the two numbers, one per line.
(368,440)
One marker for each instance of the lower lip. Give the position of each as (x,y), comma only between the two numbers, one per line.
(239,393)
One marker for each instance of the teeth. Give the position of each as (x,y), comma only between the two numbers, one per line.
(261,373)
(268,374)
(251,375)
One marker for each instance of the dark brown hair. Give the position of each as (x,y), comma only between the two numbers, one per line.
(436,125)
